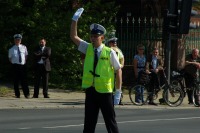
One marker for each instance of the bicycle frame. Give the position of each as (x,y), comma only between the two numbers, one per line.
(172,94)
(195,87)
(166,83)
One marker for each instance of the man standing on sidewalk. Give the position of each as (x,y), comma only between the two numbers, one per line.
(17,56)
(192,66)
(98,76)
(42,68)
(154,65)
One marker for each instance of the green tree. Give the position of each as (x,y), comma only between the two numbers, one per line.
(50,19)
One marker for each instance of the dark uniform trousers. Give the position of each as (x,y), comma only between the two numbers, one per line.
(19,72)
(95,101)
(41,72)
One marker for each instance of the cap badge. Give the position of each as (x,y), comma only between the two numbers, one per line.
(95,26)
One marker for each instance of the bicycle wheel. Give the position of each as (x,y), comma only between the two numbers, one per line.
(173,96)
(138,94)
(196,96)
(180,84)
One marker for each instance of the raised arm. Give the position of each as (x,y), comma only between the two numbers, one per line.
(73,33)
(73,29)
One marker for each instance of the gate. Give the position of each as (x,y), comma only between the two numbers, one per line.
(131,32)
(134,31)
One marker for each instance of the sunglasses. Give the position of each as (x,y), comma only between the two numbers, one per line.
(113,42)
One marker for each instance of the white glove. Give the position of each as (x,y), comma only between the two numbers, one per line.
(117,96)
(77,14)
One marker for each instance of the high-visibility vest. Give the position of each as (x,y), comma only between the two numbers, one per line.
(103,77)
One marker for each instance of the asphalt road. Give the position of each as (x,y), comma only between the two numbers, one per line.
(70,120)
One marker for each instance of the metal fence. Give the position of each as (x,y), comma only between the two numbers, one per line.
(192,40)
(147,31)
(134,31)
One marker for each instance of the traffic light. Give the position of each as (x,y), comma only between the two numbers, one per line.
(171,17)
(178,16)
(184,18)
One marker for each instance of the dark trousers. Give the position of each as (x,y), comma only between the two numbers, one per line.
(153,85)
(189,82)
(19,72)
(95,101)
(41,74)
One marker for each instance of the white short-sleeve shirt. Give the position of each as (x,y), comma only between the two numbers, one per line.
(113,56)
(14,56)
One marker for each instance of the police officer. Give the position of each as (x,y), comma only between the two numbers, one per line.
(112,42)
(98,76)
(17,56)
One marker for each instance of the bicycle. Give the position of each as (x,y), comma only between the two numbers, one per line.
(178,79)
(172,94)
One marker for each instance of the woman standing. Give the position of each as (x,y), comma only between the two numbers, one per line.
(139,66)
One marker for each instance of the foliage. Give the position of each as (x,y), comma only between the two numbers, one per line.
(5,91)
(50,19)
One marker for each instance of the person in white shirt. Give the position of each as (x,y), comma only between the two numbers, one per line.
(17,56)
(112,43)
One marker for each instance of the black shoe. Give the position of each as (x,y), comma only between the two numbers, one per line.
(17,96)
(27,96)
(152,103)
(190,103)
(46,96)
(162,101)
(35,97)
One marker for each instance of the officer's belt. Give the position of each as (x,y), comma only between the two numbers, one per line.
(94,74)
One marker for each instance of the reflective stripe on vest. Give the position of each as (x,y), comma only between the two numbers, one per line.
(104,83)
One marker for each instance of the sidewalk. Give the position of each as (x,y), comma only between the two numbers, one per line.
(67,99)
(58,99)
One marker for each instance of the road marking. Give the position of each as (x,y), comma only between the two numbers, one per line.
(66,126)
(25,128)
(123,122)
(173,119)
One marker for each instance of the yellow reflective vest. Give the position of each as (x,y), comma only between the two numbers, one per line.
(103,78)
(118,51)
